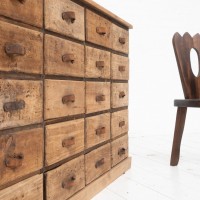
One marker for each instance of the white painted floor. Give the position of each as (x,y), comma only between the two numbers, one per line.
(151,176)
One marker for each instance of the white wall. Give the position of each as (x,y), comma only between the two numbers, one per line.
(154,74)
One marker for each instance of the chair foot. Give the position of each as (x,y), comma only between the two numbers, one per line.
(178,132)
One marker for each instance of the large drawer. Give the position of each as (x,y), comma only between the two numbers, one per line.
(21,153)
(97,96)
(21,49)
(65,17)
(64,98)
(30,12)
(63,140)
(63,57)
(20,102)
(29,189)
(64,181)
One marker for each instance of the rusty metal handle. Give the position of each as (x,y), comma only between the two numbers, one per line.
(122,40)
(69,182)
(122,123)
(14,161)
(122,68)
(12,106)
(99,163)
(68,58)
(68,142)
(69,16)
(14,49)
(122,94)
(68,99)
(101,131)
(100,98)
(121,151)
(100,64)
(101,30)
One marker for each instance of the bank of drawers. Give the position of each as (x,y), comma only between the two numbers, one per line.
(63,98)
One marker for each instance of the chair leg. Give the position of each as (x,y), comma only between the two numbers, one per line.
(178,132)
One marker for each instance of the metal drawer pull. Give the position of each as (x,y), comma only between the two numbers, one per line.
(100,98)
(69,182)
(122,40)
(121,151)
(14,161)
(12,106)
(122,123)
(122,94)
(122,68)
(68,142)
(100,64)
(68,99)
(22,1)
(14,49)
(99,163)
(68,58)
(70,15)
(101,30)
(101,131)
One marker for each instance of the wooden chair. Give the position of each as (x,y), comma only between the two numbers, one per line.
(190,83)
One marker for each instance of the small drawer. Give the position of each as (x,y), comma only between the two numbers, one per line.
(64,140)
(97,63)
(64,181)
(120,39)
(97,163)
(97,96)
(119,123)
(98,29)
(20,102)
(21,49)
(97,129)
(63,57)
(65,17)
(30,12)
(21,153)
(119,67)
(29,189)
(64,98)
(119,95)
(119,150)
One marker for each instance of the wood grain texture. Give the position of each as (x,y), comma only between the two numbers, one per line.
(28,144)
(15,90)
(117,89)
(55,48)
(93,56)
(56,134)
(94,89)
(92,125)
(55,90)
(119,67)
(55,22)
(119,149)
(31,41)
(30,12)
(116,119)
(29,189)
(55,178)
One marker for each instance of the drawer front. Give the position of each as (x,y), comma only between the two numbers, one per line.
(97,129)
(64,98)
(119,95)
(119,150)
(64,181)
(97,96)
(20,102)
(98,29)
(119,123)
(63,57)
(65,17)
(20,154)
(119,67)
(21,49)
(97,63)
(30,12)
(63,140)
(120,39)
(29,189)
(97,163)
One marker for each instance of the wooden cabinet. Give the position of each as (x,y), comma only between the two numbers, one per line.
(64,71)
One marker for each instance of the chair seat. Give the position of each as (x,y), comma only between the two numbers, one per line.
(195,103)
